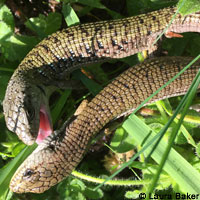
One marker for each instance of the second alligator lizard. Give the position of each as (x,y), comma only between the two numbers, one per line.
(59,154)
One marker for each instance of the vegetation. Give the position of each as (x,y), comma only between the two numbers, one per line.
(22,25)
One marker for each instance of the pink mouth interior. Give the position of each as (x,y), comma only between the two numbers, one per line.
(45,128)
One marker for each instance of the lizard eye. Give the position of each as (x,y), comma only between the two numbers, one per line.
(28,173)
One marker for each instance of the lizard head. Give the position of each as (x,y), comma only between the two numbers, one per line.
(45,167)
(26,110)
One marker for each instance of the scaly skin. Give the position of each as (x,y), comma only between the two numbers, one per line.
(59,154)
(56,56)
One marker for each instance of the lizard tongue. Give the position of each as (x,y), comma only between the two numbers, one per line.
(44,126)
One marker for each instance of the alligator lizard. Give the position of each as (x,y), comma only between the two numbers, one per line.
(26,103)
(59,154)
(51,60)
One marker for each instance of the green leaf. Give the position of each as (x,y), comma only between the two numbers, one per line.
(37,25)
(91,3)
(176,166)
(4,78)
(156,126)
(198,149)
(53,22)
(77,185)
(43,25)
(18,148)
(132,194)
(122,141)
(91,194)
(2,2)
(69,14)
(190,6)
(71,188)
(6,17)
(18,46)
(131,60)
(5,31)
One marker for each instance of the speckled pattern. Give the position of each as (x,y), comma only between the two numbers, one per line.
(56,56)
(59,154)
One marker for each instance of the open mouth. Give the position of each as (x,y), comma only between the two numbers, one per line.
(45,128)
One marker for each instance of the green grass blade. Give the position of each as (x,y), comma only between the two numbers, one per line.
(187,101)
(187,118)
(60,105)
(92,86)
